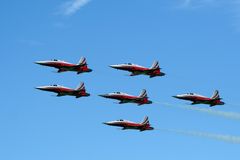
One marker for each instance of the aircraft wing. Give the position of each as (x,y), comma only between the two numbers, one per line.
(135,73)
(129,101)
(61,70)
(122,102)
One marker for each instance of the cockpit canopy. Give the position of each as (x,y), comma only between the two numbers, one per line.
(128,63)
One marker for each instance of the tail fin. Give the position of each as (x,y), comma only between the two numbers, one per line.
(215,95)
(145,121)
(143,94)
(82,61)
(155,65)
(81,87)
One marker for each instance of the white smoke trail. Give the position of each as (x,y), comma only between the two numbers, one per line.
(229,115)
(234,105)
(225,138)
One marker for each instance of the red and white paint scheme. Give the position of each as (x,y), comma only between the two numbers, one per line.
(63,66)
(135,69)
(199,99)
(125,124)
(126,98)
(80,91)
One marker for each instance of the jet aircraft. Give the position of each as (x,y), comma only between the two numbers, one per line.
(126,98)
(63,66)
(80,91)
(125,124)
(135,69)
(199,99)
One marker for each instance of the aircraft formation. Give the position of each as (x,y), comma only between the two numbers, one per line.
(141,99)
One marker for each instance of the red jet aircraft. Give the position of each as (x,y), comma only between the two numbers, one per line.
(199,99)
(143,126)
(126,98)
(63,66)
(80,91)
(153,71)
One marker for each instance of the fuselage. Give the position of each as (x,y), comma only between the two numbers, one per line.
(137,69)
(125,124)
(199,99)
(126,98)
(62,91)
(129,67)
(64,66)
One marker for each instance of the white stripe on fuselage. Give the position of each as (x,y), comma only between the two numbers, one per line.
(127,65)
(52,61)
(191,95)
(57,86)
(119,93)
(120,121)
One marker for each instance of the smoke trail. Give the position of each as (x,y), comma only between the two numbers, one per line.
(225,138)
(234,104)
(229,115)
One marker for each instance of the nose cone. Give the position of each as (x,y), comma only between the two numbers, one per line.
(115,66)
(41,88)
(104,95)
(40,62)
(107,123)
(176,96)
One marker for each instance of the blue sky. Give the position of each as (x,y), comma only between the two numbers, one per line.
(195,41)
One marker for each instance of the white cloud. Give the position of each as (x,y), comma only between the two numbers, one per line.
(31,42)
(60,25)
(230,7)
(236,12)
(195,3)
(186,2)
(71,7)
